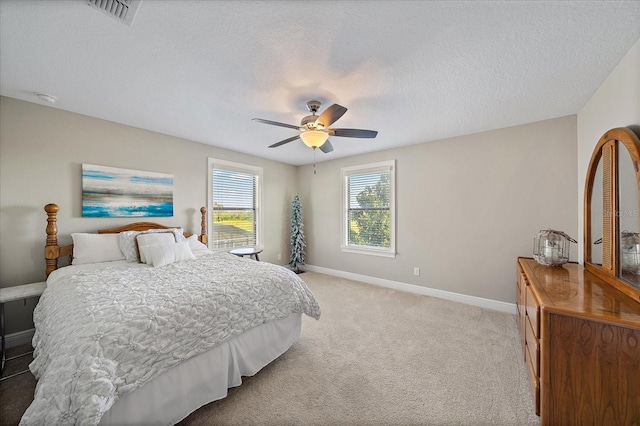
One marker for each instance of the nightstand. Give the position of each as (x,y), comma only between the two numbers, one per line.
(9,294)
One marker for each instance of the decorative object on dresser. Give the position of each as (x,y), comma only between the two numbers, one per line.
(580,326)
(551,247)
(630,251)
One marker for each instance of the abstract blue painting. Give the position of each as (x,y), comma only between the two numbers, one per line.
(115,192)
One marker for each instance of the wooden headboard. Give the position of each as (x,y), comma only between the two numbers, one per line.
(52,251)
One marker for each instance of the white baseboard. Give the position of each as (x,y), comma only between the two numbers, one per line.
(20,338)
(495,305)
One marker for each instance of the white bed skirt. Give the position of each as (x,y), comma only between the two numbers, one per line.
(171,397)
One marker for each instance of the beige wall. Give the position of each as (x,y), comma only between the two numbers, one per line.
(41,153)
(466,207)
(616,103)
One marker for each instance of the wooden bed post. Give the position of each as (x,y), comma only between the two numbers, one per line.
(204,238)
(51,249)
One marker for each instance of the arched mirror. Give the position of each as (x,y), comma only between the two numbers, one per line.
(612,193)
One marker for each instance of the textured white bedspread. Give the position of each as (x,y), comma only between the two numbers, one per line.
(103,333)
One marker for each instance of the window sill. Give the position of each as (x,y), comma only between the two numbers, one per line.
(369,251)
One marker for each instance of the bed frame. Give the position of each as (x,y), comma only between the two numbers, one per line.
(52,251)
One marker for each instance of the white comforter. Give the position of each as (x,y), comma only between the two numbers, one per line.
(103,333)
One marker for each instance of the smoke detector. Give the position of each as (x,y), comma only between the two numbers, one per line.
(45,97)
(120,10)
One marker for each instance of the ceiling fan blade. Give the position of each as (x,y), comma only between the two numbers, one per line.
(354,133)
(331,115)
(277,144)
(326,147)
(275,123)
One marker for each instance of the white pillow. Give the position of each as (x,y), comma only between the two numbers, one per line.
(152,239)
(127,241)
(196,245)
(95,248)
(128,245)
(164,254)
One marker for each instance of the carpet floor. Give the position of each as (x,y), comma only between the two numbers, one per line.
(376,357)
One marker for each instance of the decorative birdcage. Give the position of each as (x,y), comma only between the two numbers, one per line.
(630,251)
(551,248)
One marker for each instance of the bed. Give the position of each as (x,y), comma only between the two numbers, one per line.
(122,342)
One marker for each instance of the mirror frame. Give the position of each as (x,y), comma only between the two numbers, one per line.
(607,150)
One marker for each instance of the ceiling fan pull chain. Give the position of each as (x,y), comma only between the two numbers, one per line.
(314,160)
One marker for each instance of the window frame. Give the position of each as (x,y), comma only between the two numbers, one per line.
(345,172)
(241,168)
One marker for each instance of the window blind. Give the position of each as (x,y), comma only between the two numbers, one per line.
(235,208)
(368,204)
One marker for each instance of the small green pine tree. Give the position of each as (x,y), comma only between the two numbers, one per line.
(297,243)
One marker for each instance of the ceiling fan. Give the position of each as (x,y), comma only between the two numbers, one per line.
(315,131)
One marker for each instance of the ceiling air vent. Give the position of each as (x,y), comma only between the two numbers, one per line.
(122,10)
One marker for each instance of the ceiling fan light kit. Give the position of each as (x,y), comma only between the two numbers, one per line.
(314,138)
(314,129)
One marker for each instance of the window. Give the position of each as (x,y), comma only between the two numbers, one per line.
(234,204)
(369,209)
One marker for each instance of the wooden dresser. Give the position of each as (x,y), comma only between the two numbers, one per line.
(581,341)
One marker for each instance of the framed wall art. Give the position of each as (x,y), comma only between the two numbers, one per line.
(116,192)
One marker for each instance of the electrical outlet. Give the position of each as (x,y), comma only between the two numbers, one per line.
(279,256)
(416,271)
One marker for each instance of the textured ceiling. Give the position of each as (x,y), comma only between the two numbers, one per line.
(414,71)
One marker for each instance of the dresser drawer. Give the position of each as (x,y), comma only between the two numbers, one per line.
(533,347)
(534,384)
(533,311)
